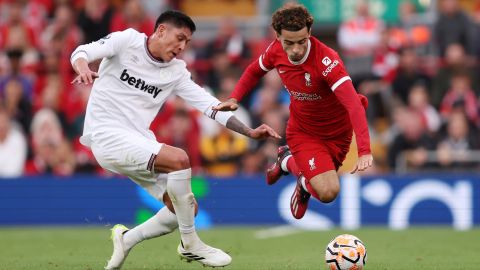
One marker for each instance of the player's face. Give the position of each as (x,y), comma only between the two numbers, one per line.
(170,41)
(294,43)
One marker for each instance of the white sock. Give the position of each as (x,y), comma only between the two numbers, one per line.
(283,165)
(163,222)
(180,192)
(302,180)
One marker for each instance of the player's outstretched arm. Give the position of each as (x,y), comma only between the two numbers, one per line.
(262,132)
(364,162)
(85,75)
(229,105)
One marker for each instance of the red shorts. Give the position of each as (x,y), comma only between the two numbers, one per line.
(314,156)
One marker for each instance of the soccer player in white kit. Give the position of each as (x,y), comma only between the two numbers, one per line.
(135,77)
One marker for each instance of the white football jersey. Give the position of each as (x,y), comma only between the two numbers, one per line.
(132,86)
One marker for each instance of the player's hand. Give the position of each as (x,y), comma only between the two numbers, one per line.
(229,105)
(363,163)
(264,131)
(85,77)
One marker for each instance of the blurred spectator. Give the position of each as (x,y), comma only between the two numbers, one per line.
(13,147)
(15,33)
(153,8)
(15,73)
(95,19)
(460,96)
(412,141)
(418,102)
(460,138)
(132,15)
(86,162)
(177,124)
(385,57)
(476,22)
(53,92)
(413,29)
(455,62)
(62,36)
(253,163)
(35,14)
(408,74)
(230,41)
(358,38)
(453,26)
(221,67)
(52,153)
(222,149)
(376,86)
(270,96)
(16,103)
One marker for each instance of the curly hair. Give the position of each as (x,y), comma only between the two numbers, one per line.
(291,17)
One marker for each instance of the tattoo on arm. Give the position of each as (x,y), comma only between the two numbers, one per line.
(234,124)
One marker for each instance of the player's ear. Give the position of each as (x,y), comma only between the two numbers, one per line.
(161,29)
(277,35)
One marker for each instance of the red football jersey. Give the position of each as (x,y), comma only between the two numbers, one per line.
(314,108)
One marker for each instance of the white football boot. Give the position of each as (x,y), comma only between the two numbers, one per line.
(119,252)
(204,254)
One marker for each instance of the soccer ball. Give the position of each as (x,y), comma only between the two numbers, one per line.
(346,252)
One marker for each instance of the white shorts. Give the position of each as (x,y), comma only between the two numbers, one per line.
(133,155)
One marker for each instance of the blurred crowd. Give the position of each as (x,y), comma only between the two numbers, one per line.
(420,76)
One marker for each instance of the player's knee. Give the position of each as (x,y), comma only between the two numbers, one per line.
(180,160)
(327,196)
(328,193)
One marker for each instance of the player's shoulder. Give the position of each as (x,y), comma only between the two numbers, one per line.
(132,32)
(275,46)
(322,49)
(131,35)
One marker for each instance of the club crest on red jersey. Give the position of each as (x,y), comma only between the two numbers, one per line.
(311,163)
(308,81)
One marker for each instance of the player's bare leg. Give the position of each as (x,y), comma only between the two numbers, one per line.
(175,162)
(325,186)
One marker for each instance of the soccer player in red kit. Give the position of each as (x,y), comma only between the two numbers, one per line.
(324,109)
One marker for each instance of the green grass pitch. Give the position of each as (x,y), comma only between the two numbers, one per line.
(89,248)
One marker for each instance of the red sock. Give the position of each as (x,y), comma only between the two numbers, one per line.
(292,167)
(311,190)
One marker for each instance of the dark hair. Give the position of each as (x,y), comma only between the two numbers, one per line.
(291,17)
(177,18)
(14,53)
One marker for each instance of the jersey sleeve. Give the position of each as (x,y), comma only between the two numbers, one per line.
(266,60)
(355,107)
(254,72)
(107,46)
(333,70)
(200,99)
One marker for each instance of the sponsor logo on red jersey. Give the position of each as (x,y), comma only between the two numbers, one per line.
(330,67)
